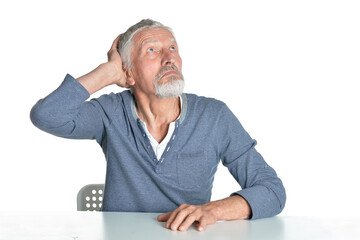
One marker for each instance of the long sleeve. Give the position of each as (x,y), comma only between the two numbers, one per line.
(66,113)
(260,184)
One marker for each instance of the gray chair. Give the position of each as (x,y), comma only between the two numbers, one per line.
(90,197)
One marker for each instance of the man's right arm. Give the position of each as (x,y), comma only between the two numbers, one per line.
(66,113)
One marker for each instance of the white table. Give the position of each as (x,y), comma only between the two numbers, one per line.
(128,226)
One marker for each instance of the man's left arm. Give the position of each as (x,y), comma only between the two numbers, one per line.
(262,194)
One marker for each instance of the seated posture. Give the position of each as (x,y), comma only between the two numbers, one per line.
(162,146)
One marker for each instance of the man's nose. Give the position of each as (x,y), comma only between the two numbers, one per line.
(168,58)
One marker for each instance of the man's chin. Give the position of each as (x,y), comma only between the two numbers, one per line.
(171,89)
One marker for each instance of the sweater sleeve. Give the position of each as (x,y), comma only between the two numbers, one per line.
(66,113)
(261,187)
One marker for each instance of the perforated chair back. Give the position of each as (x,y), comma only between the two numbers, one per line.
(90,197)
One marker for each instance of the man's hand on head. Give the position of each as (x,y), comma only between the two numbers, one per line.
(108,73)
(115,61)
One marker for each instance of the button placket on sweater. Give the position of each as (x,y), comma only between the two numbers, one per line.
(147,143)
(158,163)
(170,143)
(159,168)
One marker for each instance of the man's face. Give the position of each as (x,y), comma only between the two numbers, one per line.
(156,63)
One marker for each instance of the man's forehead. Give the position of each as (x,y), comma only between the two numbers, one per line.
(153,35)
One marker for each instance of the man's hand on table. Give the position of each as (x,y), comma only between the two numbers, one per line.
(235,207)
(184,216)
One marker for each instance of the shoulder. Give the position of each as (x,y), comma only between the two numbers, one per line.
(201,102)
(204,110)
(210,109)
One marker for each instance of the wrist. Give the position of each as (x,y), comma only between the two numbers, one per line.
(97,79)
(215,209)
(109,72)
(231,208)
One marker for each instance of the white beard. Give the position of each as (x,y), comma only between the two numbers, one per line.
(173,88)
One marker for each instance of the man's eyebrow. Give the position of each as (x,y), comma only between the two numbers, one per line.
(154,41)
(149,41)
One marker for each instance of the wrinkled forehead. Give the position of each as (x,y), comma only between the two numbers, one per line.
(152,35)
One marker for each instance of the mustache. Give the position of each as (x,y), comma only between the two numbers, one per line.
(167,68)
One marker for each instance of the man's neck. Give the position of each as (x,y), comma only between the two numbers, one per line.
(157,113)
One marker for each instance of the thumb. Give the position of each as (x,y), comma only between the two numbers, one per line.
(164,217)
(201,226)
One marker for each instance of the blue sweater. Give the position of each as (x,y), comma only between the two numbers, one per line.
(206,132)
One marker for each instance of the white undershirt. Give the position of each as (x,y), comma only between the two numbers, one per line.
(159,148)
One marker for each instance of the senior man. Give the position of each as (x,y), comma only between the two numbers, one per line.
(162,146)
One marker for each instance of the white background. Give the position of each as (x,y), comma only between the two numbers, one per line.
(289,70)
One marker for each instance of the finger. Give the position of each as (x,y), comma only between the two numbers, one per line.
(180,217)
(115,42)
(191,218)
(164,217)
(173,215)
(171,218)
(202,225)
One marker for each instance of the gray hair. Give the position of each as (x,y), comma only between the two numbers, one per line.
(125,42)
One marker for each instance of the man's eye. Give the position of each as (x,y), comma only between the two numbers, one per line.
(151,50)
(173,48)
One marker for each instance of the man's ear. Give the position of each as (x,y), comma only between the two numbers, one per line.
(129,77)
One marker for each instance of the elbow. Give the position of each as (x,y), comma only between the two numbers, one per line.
(42,117)
(281,198)
(51,120)
(275,199)
(37,115)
